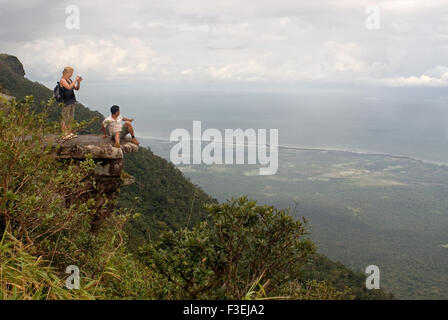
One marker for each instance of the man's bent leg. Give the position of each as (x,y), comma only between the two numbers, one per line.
(117,139)
(124,131)
(127,128)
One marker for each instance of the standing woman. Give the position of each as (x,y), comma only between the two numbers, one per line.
(68,95)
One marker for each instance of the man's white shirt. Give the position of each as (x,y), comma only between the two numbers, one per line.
(114,125)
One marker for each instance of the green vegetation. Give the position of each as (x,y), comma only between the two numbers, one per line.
(163,197)
(174,247)
(26,277)
(223,258)
(245,247)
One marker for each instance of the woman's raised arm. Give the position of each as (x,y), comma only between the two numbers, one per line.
(64,83)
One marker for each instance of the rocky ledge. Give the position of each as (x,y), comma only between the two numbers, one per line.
(97,146)
(108,177)
(110,159)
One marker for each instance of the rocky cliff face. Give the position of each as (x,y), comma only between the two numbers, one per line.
(108,176)
(14,63)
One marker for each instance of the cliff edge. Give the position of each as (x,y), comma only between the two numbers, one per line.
(108,176)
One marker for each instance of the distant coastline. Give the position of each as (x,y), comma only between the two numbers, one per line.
(336,150)
(368,153)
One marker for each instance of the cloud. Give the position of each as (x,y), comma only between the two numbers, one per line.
(250,70)
(413,81)
(342,57)
(265,41)
(93,58)
(436,77)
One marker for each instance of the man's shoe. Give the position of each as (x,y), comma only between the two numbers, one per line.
(117,145)
(69,136)
(134,141)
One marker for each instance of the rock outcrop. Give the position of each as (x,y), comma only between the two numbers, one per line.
(110,159)
(14,63)
(108,176)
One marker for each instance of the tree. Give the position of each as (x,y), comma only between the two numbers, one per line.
(222,259)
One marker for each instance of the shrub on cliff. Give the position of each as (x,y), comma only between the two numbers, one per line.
(242,244)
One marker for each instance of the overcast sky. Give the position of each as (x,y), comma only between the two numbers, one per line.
(232,42)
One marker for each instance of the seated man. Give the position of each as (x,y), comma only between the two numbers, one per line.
(117,130)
